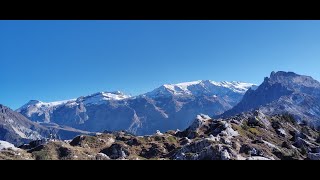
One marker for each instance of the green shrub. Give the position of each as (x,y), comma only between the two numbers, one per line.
(172,139)
(244,126)
(157,138)
(42,155)
(254,131)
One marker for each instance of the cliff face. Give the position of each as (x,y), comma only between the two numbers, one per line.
(17,129)
(284,92)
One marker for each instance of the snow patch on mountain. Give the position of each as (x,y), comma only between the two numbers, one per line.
(6,145)
(39,107)
(36,106)
(102,97)
(201,87)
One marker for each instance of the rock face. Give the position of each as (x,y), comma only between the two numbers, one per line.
(170,106)
(234,138)
(17,129)
(284,92)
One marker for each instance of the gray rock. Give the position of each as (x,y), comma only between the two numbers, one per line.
(314,156)
(185,141)
(17,129)
(258,158)
(101,156)
(281,132)
(116,151)
(225,155)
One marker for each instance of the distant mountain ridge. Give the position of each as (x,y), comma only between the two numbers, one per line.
(17,129)
(169,106)
(284,92)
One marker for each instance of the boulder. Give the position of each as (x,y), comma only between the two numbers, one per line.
(116,151)
(287,145)
(225,155)
(155,151)
(223,128)
(251,151)
(77,140)
(226,140)
(281,132)
(102,156)
(193,130)
(33,144)
(134,142)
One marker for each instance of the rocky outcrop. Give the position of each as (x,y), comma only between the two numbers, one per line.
(116,151)
(283,92)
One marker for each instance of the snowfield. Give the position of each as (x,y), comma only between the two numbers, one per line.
(6,145)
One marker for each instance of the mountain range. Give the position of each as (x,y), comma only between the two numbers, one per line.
(168,107)
(171,106)
(17,129)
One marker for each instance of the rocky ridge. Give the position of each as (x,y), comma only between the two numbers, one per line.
(283,92)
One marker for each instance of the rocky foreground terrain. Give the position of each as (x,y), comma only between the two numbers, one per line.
(249,136)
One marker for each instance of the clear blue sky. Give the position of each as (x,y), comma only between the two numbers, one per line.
(56,60)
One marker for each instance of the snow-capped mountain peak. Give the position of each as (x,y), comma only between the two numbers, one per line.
(102,97)
(200,87)
(96,98)
(43,105)
(240,87)
(41,111)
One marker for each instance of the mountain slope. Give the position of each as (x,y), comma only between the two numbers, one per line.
(170,106)
(284,92)
(17,129)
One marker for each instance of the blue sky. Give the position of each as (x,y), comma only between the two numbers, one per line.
(57,60)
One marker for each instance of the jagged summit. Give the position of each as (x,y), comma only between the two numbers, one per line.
(291,80)
(284,92)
